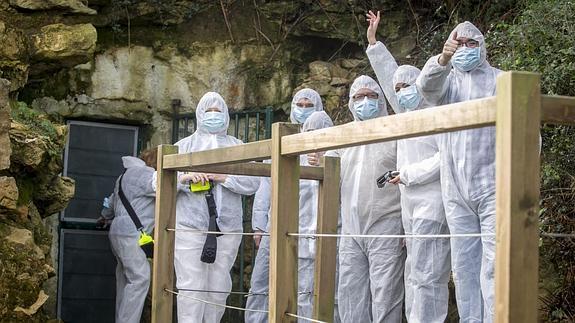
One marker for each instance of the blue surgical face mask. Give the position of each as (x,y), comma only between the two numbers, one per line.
(408,98)
(466,59)
(301,114)
(366,108)
(214,121)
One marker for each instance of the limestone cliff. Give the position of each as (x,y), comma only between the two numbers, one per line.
(127,60)
(30,191)
(124,61)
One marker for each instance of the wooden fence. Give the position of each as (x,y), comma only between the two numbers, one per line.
(517,111)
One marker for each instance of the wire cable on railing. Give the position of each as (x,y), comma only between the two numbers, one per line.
(434,236)
(391,236)
(219,292)
(304,318)
(232,292)
(214,304)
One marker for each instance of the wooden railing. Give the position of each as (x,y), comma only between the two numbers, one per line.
(517,111)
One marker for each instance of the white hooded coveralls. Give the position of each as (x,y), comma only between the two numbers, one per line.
(308,201)
(370,269)
(467,179)
(427,267)
(132,269)
(192,213)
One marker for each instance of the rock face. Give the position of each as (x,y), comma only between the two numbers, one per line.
(5,148)
(125,62)
(13,56)
(8,193)
(30,190)
(159,81)
(72,6)
(139,69)
(13,43)
(139,84)
(332,81)
(54,196)
(24,268)
(29,149)
(48,48)
(67,45)
(20,236)
(25,238)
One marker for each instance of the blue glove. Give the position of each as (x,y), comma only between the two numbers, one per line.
(106,203)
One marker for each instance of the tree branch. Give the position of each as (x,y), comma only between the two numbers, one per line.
(224,11)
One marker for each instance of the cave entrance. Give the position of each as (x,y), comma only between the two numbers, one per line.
(86,265)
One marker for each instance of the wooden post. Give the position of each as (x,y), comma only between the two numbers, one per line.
(163,266)
(516,267)
(326,248)
(284,219)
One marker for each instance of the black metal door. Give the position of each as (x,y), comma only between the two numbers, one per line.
(86,281)
(93,159)
(87,284)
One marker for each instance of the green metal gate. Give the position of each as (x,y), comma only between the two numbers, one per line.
(249,126)
(259,124)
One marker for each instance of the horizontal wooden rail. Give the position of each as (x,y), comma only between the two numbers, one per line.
(252,151)
(253,169)
(518,108)
(558,109)
(452,117)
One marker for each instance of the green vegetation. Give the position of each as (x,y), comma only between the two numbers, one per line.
(541,40)
(20,275)
(39,124)
(20,112)
(535,36)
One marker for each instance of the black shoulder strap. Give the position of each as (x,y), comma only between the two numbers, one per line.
(212,210)
(129,207)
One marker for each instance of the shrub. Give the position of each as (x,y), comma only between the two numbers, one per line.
(541,40)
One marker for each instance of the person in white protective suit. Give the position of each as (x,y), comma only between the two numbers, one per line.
(194,277)
(132,269)
(427,267)
(258,300)
(460,73)
(320,120)
(370,269)
(305,102)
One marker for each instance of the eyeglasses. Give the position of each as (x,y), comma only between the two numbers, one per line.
(401,86)
(471,43)
(304,105)
(359,97)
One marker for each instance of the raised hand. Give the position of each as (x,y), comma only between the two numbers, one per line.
(373,20)
(449,49)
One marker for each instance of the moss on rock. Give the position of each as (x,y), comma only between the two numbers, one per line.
(22,273)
